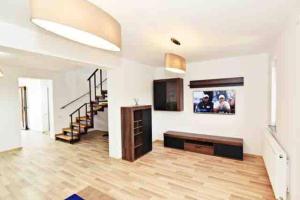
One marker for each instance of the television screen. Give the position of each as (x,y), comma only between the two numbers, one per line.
(218,102)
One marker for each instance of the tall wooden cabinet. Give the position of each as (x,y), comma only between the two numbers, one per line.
(168,94)
(136,131)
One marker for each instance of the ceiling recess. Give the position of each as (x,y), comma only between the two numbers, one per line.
(175,41)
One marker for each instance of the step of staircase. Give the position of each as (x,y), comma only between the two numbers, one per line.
(69,130)
(67,138)
(83,118)
(81,124)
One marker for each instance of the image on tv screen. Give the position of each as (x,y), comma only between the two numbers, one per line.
(215,102)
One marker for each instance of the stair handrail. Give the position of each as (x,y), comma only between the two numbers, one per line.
(79,115)
(71,102)
(93,74)
(78,109)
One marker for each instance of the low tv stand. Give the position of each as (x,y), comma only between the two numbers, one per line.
(205,144)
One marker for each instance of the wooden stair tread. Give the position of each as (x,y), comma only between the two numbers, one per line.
(83,118)
(69,130)
(65,137)
(81,124)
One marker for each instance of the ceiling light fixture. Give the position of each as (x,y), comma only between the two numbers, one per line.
(175,41)
(175,63)
(78,20)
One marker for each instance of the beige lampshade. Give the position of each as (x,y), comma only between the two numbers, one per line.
(78,20)
(175,63)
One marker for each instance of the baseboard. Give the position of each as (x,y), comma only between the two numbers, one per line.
(12,150)
(252,155)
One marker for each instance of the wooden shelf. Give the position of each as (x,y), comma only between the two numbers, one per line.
(136,131)
(223,82)
(137,146)
(138,127)
(139,133)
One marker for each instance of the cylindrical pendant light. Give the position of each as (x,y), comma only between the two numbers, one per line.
(78,20)
(175,63)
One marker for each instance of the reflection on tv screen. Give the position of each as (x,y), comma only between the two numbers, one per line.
(217,101)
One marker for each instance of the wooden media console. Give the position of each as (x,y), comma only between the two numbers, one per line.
(205,144)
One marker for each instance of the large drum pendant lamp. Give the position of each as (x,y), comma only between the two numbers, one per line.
(78,20)
(175,63)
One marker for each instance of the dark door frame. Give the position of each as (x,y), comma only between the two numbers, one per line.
(23,94)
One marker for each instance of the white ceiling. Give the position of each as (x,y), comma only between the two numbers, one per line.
(17,58)
(207,29)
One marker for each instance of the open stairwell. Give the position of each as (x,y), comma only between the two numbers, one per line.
(82,119)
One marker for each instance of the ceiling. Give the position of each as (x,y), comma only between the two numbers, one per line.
(207,29)
(17,58)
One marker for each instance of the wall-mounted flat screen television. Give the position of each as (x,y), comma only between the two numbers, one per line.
(215,102)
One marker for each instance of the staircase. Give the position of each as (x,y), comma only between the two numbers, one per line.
(82,119)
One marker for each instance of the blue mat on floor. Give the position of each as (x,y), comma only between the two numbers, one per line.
(74,197)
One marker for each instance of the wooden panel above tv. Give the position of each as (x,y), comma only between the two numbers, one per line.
(168,94)
(223,82)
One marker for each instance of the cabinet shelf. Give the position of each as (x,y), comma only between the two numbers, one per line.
(138,127)
(139,133)
(137,146)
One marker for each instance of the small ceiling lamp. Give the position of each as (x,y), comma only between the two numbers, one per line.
(175,63)
(78,20)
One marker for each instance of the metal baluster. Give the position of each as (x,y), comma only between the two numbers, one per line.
(79,124)
(101,81)
(71,128)
(90,90)
(95,85)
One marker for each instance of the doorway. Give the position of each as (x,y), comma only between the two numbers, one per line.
(36,102)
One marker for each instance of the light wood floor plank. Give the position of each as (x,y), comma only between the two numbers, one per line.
(46,169)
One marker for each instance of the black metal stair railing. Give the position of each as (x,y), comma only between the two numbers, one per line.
(78,112)
(86,111)
(93,91)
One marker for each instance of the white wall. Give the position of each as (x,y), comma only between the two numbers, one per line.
(287,57)
(127,81)
(251,101)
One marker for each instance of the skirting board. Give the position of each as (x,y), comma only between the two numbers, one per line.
(11,150)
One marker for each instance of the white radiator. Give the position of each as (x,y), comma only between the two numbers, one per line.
(276,162)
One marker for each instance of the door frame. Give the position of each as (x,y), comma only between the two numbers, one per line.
(24,107)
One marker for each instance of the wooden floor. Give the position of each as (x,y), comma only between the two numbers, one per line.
(46,169)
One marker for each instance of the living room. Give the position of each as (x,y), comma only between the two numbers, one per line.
(243,55)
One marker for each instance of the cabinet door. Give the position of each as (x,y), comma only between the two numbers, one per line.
(171,98)
(229,151)
(147,129)
(160,90)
